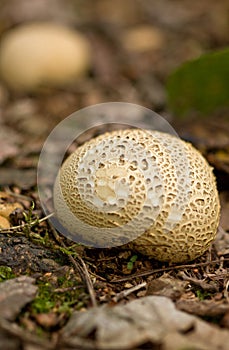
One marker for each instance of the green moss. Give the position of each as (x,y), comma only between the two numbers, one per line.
(202,295)
(44,302)
(63,296)
(6,273)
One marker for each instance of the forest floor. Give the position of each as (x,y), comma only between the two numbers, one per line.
(47,280)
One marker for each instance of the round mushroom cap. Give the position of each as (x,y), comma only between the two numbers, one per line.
(145,189)
(41,54)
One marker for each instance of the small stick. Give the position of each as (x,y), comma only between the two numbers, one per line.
(13,229)
(210,287)
(124,293)
(17,195)
(80,266)
(170,268)
(82,269)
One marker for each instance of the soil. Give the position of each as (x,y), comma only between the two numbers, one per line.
(68,276)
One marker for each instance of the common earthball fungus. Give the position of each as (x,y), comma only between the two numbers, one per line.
(43,54)
(147,189)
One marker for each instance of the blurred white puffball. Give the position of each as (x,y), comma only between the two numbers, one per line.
(41,54)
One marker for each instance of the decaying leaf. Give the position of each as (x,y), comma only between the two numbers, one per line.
(7,207)
(167,286)
(203,307)
(14,295)
(4,223)
(152,319)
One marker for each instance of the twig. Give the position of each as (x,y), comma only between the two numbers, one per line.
(98,277)
(17,195)
(67,289)
(87,279)
(14,229)
(80,267)
(209,287)
(12,330)
(124,293)
(169,268)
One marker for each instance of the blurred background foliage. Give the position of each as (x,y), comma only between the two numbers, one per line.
(140,51)
(200,86)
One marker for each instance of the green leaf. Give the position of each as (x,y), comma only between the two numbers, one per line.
(133,258)
(200,86)
(130,265)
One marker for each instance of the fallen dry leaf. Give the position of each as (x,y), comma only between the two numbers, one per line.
(152,319)
(203,307)
(4,223)
(14,295)
(7,208)
(167,286)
